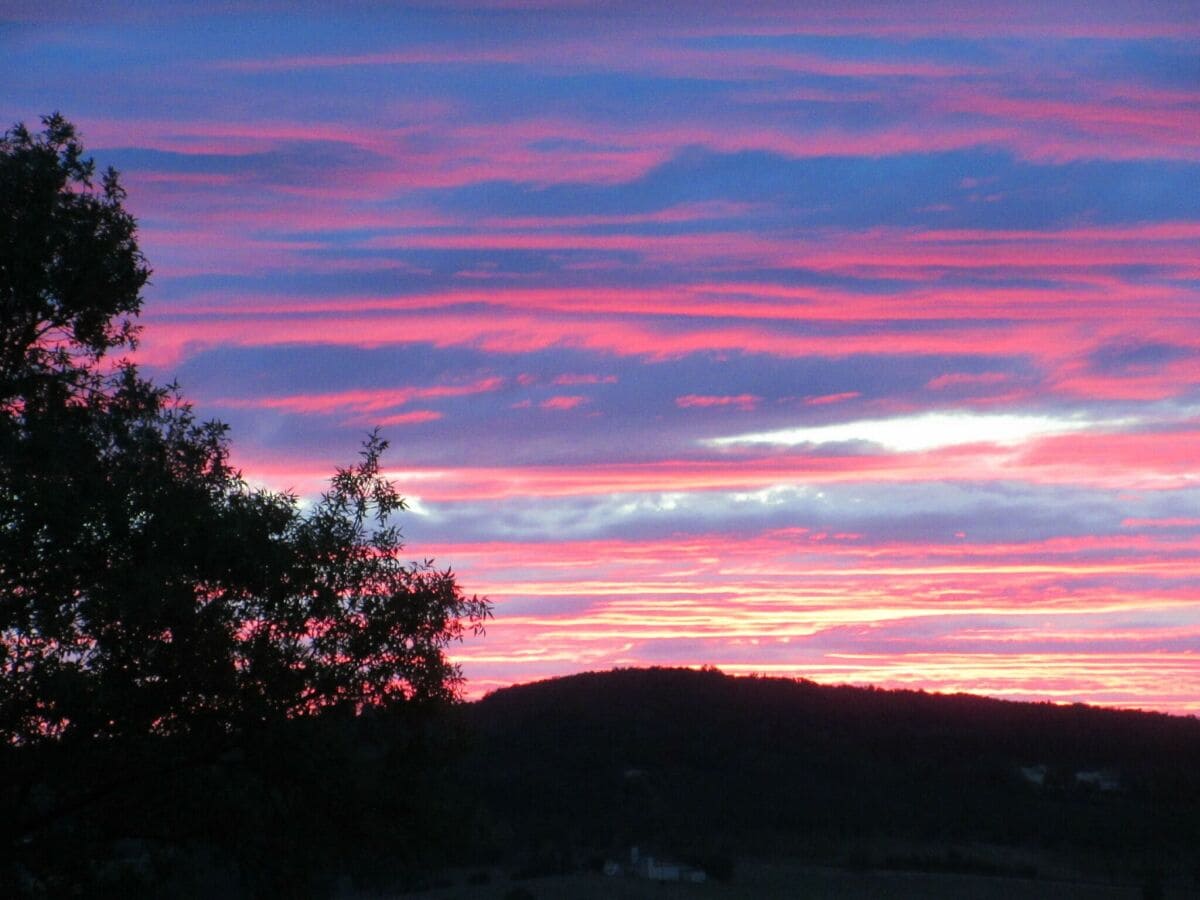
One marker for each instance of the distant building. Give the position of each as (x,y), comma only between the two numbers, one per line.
(1098,779)
(1034,774)
(1101,779)
(660,869)
(654,870)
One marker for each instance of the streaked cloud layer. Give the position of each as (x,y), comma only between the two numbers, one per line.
(850,341)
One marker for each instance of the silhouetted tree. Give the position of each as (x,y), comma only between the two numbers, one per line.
(147,593)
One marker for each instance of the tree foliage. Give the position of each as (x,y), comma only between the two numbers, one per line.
(71,271)
(146,591)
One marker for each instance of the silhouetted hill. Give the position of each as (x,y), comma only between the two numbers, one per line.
(704,762)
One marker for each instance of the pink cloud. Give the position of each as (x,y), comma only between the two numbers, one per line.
(754,61)
(1072,19)
(739,401)
(410,418)
(886,250)
(362,401)
(826,399)
(412,57)
(562,402)
(966,379)
(1169,522)
(1147,460)
(1148,382)
(1143,119)
(568,380)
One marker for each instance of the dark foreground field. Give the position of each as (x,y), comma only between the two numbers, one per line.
(771,787)
(759,880)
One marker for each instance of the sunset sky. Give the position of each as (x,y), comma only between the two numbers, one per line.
(851,341)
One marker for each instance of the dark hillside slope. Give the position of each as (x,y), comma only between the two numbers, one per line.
(699,759)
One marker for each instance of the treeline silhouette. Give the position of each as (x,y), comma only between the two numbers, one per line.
(704,765)
(207,689)
(288,809)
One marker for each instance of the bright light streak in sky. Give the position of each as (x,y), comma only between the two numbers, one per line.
(925,431)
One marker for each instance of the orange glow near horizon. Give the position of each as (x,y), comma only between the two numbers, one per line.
(950,618)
